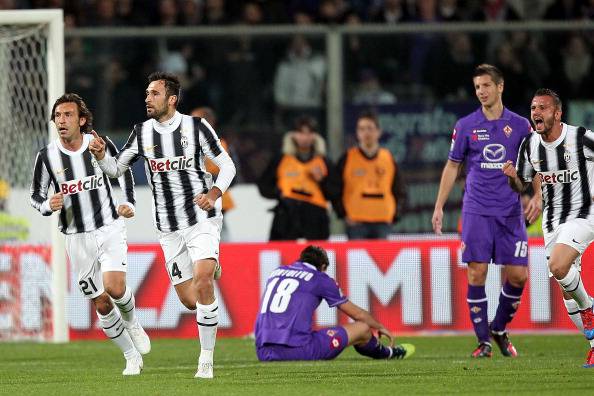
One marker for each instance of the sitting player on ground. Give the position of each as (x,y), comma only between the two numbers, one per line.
(292,294)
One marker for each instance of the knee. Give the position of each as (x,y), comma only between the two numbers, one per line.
(518,280)
(202,282)
(188,302)
(558,268)
(103,304)
(116,291)
(476,277)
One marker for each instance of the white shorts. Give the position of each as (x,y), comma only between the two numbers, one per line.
(184,247)
(576,233)
(95,252)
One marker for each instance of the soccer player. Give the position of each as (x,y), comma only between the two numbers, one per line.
(561,155)
(90,217)
(187,204)
(370,190)
(284,328)
(493,228)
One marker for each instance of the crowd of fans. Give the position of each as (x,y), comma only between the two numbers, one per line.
(258,84)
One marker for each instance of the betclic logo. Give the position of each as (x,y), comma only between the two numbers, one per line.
(171,164)
(562,176)
(85,184)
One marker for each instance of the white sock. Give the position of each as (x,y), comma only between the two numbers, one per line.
(113,327)
(207,317)
(572,284)
(574,314)
(126,305)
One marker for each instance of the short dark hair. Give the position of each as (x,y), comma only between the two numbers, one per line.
(370,115)
(83,110)
(493,71)
(315,256)
(172,85)
(306,121)
(552,94)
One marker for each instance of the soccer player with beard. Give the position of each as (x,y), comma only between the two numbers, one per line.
(90,218)
(562,156)
(493,229)
(187,204)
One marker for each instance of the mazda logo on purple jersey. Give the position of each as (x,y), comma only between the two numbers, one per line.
(494,152)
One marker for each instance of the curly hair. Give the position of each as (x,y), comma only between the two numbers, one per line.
(83,110)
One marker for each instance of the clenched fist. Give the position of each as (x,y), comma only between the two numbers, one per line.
(125,211)
(56,201)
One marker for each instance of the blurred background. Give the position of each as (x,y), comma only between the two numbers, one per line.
(260,64)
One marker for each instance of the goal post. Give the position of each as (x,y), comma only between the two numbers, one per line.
(32,63)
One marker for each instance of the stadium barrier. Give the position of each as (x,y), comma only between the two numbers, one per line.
(413,286)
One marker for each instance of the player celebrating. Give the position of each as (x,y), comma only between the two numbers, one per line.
(284,329)
(561,154)
(493,228)
(90,218)
(187,208)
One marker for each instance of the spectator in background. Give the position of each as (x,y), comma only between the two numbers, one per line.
(369,190)
(577,80)
(370,92)
(393,11)
(191,13)
(299,81)
(216,13)
(210,116)
(449,70)
(298,179)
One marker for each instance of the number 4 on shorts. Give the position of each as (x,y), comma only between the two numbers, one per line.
(175,271)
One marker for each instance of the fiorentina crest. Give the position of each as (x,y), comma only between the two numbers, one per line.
(507,130)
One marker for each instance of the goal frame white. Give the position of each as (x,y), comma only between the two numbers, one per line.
(53,19)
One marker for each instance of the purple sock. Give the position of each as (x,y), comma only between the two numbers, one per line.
(509,301)
(374,349)
(477,304)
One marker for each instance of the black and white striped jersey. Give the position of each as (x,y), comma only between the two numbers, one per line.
(89,201)
(174,153)
(566,169)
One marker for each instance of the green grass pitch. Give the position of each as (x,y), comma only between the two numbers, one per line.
(548,364)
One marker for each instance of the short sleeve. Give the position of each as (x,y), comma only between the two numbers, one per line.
(524,167)
(459,144)
(329,291)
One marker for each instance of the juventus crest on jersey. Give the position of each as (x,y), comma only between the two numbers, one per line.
(174,154)
(566,170)
(89,201)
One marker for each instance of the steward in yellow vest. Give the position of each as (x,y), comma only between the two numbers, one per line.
(298,179)
(369,188)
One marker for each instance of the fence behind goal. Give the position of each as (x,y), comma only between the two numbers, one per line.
(32,70)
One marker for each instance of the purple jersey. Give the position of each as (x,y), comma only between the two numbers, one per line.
(485,146)
(291,296)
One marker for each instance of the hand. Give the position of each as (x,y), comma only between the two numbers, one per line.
(56,201)
(436,220)
(97,146)
(206,201)
(125,211)
(386,333)
(533,209)
(509,170)
(316,173)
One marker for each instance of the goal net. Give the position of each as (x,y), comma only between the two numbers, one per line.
(32,277)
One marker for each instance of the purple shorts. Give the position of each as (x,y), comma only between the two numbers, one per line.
(325,344)
(501,240)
